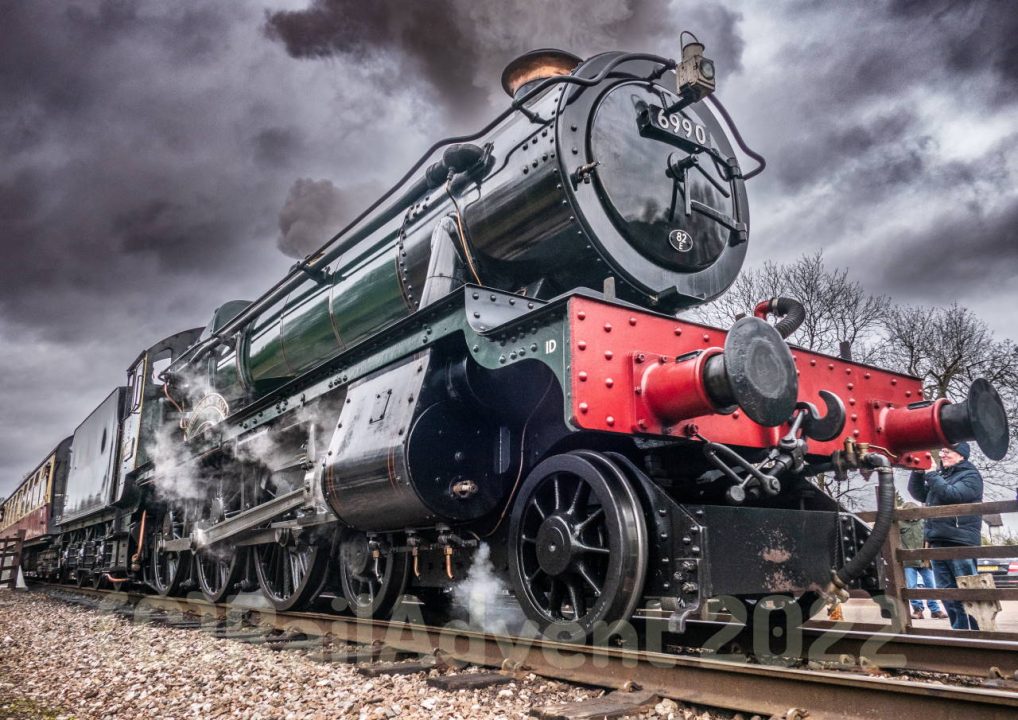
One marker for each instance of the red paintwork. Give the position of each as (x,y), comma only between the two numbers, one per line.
(606,373)
(34,524)
(912,428)
(658,382)
(762,309)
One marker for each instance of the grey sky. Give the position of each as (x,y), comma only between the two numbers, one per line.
(157,156)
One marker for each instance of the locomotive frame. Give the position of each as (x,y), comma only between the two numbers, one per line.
(362,427)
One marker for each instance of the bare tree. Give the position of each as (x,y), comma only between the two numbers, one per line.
(948,348)
(837,309)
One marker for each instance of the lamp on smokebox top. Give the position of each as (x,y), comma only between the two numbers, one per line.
(695,75)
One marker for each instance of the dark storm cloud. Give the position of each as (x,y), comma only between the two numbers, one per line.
(277,147)
(844,110)
(970,243)
(806,160)
(460,46)
(106,187)
(861,120)
(129,196)
(972,252)
(974,36)
(313,209)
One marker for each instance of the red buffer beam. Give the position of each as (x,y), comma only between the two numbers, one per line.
(637,372)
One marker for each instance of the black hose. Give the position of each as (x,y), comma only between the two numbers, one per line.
(881,526)
(791,312)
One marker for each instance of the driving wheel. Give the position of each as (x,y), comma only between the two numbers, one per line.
(220,570)
(169,568)
(578,545)
(292,573)
(372,577)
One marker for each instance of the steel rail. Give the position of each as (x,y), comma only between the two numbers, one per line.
(741,687)
(933,651)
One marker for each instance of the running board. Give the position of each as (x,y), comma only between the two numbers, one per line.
(247,520)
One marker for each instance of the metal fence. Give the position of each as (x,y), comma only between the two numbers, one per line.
(895,556)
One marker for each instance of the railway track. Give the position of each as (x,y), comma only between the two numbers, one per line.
(834,684)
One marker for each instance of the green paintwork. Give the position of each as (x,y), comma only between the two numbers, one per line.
(265,359)
(308,332)
(368,297)
(322,317)
(444,320)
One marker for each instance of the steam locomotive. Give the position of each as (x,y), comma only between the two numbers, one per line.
(491,353)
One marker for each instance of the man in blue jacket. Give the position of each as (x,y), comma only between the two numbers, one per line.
(958,482)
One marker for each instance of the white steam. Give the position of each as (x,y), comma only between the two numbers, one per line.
(180,475)
(177,476)
(485,597)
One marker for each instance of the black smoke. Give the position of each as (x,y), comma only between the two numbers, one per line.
(459,47)
(313,210)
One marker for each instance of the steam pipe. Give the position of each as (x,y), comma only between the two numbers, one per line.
(136,558)
(791,312)
(881,526)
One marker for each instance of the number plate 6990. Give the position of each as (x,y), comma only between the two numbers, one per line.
(679,124)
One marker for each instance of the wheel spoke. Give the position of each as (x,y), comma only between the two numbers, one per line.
(579,497)
(558,493)
(582,571)
(586,522)
(554,598)
(284,573)
(584,547)
(576,600)
(537,506)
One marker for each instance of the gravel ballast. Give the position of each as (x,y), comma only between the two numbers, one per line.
(63,661)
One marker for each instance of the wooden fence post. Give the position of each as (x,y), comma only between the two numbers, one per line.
(10,559)
(894,577)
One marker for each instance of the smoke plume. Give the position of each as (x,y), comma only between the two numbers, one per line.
(313,212)
(460,46)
